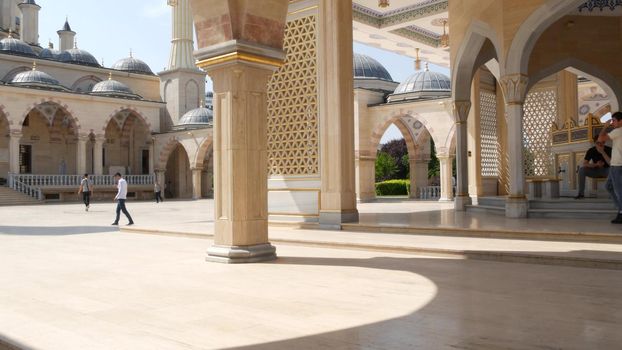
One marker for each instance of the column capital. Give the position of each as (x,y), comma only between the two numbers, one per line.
(514,88)
(460,111)
(199,168)
(16,134)
(82,137)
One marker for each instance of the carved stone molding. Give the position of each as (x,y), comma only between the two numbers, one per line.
(514,87)
(461,111)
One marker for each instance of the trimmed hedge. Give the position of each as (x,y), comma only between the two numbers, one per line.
(393,188)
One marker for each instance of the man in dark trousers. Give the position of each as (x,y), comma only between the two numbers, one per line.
(120,198)
(600,157)
(86,188)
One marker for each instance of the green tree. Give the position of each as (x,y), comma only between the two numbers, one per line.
(398,149)
(385,166)
(434,166)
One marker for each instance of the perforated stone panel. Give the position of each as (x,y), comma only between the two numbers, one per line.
(540,111)
(488,133)
(292,104)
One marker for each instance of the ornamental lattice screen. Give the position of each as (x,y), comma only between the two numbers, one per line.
(292,104)
(539,113)
(488,133)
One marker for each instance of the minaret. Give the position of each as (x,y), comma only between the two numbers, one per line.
(182,83)
(30,22)
(182,45)
(66,37)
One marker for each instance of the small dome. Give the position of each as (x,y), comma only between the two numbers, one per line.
(425,81)
(366,67)
(16,47)
(132,65)
(35,78)
(198,116)
(113,88)
(50,54)
(77,56)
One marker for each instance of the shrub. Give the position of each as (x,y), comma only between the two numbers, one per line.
(385,166)
(393,188)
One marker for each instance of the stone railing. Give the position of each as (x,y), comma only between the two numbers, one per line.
(429,192)
(16,184)
(42,181)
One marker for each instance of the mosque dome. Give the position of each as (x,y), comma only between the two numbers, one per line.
(132,65)
(36,79)
(16,47)
(78,56)
(366,67)
(425,81)
(197,117)
(50,54)
(113,88)
(422,85)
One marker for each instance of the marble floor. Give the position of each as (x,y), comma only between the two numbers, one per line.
(71,281)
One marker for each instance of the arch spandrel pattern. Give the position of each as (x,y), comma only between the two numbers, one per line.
(293,147)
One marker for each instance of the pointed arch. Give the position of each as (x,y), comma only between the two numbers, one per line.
(204,149)
(479,46)
(130,109)
(608,82)
(517,58)
(75,121)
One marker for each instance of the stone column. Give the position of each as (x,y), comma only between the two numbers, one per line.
(81,154)
(461,113)
(14,138)
(98,155)
(240,159)
(160,177)
(336,113)
(196,183)
(366,179)
(412,163)
(418,175)
(447,187)
(151,156)
(514,90)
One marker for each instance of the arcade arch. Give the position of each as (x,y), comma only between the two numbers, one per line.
(128,142)
(49,140)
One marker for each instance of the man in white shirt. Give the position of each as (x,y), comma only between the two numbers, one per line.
(614,180)
(120,198)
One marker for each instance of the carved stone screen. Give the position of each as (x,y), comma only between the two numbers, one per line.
(540,111)
(488,133)
(292,104)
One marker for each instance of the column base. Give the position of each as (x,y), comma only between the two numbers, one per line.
(516,207)
(445,199)
(332,220)
(241,254)
(460,203)
(366,197)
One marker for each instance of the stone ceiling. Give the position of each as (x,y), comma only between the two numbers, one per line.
(402,27)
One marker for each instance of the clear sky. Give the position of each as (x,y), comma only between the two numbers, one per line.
(108,29)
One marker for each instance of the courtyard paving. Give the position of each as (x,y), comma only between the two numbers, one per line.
(71,281)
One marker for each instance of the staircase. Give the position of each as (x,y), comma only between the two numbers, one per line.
(587,208)
(11,197)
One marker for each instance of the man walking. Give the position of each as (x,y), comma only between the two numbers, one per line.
(158,191)
(614,180)
(86,188)
(120,198)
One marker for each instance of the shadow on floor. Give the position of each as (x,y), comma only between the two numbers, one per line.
(481,305)
(53,231)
